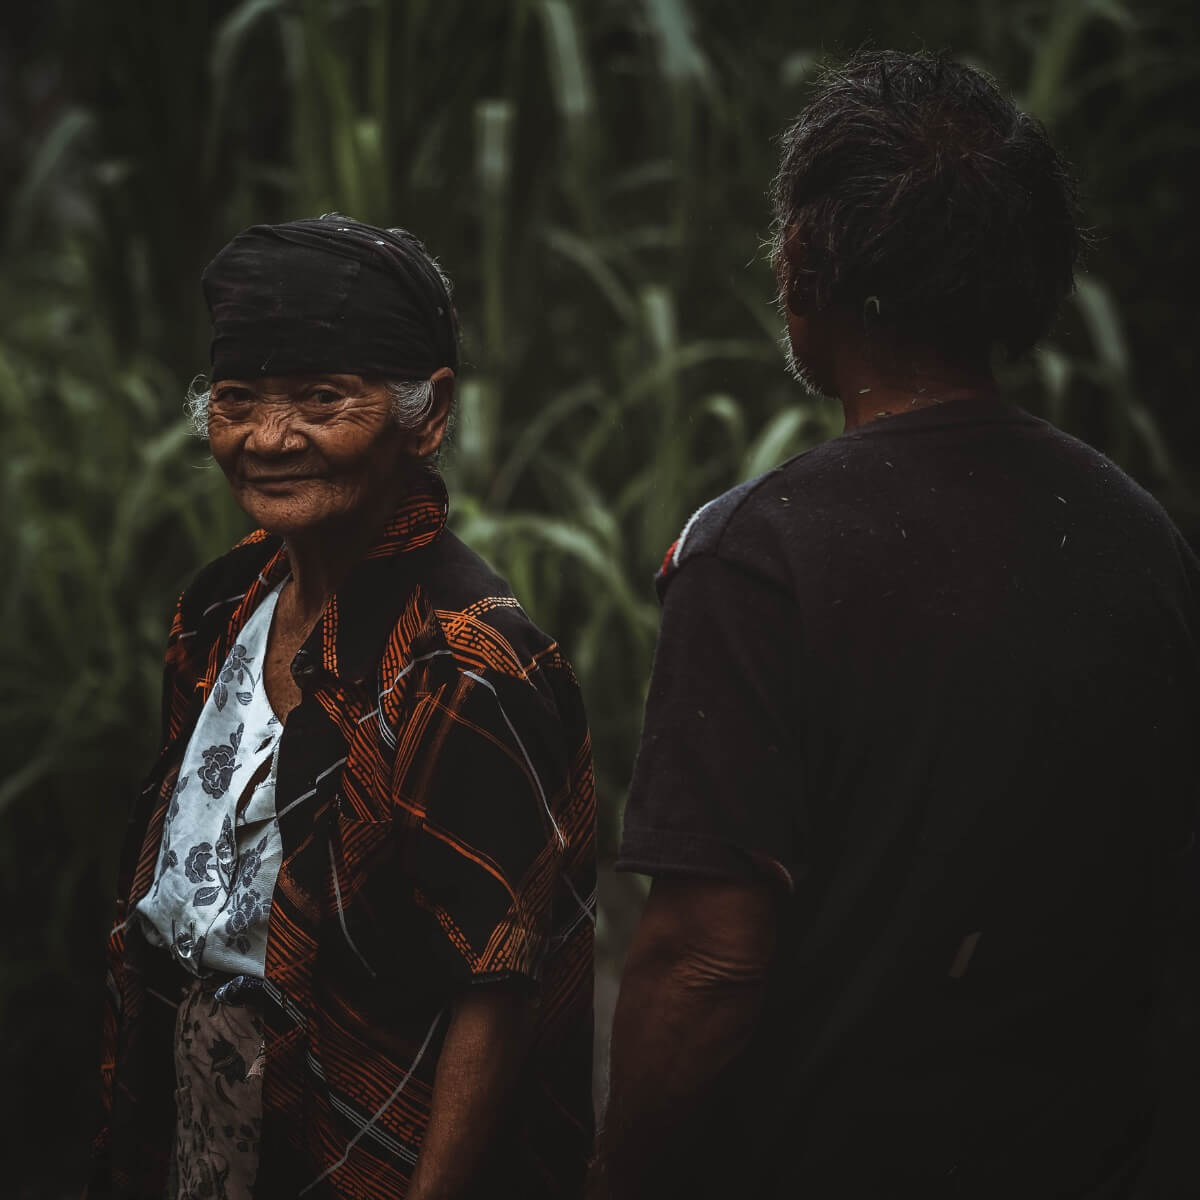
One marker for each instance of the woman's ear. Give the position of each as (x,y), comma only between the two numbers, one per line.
(425,438)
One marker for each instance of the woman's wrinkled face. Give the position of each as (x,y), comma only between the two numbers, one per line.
(305,451)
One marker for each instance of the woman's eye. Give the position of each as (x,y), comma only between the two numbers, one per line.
(231,397)
(325,396)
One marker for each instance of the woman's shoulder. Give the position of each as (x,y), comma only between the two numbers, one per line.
(482,621)
(227,578)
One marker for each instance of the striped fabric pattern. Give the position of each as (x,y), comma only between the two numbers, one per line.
(437,812)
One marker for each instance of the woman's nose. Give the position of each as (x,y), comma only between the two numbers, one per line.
(274,430)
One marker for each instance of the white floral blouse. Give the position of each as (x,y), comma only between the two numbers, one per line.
(217,867)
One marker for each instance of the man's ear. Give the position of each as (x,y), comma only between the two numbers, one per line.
(424,439)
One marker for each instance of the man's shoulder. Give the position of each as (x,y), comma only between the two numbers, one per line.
(747,526)
(1133,518)
(704,529)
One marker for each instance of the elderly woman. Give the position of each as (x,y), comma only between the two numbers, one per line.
(353,947)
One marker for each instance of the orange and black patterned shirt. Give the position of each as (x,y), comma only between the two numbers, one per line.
(437,812)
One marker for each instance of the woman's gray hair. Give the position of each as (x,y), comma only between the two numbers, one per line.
(195,406)
(412,401)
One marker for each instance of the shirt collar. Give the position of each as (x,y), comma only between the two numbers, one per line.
(350,633)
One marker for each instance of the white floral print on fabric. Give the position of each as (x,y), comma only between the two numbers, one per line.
(211,897)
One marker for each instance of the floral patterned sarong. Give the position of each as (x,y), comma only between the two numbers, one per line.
(219,1057)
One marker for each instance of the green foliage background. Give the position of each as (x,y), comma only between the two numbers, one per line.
(593,176)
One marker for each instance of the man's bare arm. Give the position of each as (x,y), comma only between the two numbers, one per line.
(691,992)
(489,1036)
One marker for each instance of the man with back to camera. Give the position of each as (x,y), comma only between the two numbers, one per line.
(917,778)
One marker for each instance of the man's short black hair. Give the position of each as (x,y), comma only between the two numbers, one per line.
(912,186)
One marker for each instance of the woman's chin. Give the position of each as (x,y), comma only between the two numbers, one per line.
(283,518)
(288,509)
(295,522)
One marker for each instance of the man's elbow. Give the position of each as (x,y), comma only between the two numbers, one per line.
(706,937)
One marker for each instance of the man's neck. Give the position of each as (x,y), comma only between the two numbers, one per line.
(870,394)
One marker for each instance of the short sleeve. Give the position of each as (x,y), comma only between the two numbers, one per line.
(485,765)
(716,789)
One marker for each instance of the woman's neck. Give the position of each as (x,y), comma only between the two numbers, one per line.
(320,559)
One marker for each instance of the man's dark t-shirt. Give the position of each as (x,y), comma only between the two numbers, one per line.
(937,680)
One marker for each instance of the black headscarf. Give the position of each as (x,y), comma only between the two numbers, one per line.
(329,295)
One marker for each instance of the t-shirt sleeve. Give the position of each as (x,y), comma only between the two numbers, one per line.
(486,766)
(716,787)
